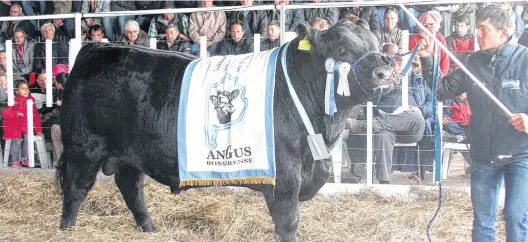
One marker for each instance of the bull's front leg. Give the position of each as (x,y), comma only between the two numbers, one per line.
(284,210)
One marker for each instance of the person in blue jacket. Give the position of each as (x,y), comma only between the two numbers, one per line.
(499,142)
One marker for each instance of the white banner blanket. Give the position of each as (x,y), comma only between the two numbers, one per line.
(225,121)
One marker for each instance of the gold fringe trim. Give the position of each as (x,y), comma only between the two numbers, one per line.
(228,181)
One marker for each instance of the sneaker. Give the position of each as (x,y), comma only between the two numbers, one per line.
(15,164)
(25,163)
(356,126)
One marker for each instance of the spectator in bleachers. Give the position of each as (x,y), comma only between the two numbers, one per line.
(134,35)
(23,54)
(144,20)
(15,125)
(3,61)
(60,29)
(96,33)
(66,6)
(4,8)
(237,44)
(431,20)
(115,26)
(211,24)
(179,21)
(293,16)
(173,41)
(391,49)
(369,14)
(461,43)
(8,27)
(60,49)
(392,123)
(94,6)
(255,22)
(331,15)
(273,39)
(390,33)
(457,114)
(28,7)
(319,24)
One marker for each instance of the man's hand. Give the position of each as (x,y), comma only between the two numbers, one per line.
(445,120)
(520,122)
(416,109)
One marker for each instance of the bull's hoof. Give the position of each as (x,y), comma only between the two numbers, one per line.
(148,227)
(175,190)
(66,226)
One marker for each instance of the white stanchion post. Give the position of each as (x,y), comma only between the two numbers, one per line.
(289,36)
(104,40)
(405,41)
(370,110)
(444,167)
(78,24)
(9,70)
(282,24)
(75,46)
(153,43)
(256,43)
(203,47)
(30,135)
(49,77)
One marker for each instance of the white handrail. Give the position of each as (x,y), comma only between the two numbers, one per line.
(370,116)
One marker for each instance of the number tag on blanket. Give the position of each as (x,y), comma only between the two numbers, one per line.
(318,147)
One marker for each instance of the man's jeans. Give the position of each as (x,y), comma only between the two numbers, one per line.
(486,180)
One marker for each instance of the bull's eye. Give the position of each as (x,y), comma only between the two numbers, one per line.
(341,51)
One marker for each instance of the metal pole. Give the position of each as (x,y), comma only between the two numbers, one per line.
(256,43)
(370,110)
(78,24)
(460,65)
(9,70)
(49,77)
(30,136)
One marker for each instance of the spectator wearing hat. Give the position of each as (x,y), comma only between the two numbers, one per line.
(431,20)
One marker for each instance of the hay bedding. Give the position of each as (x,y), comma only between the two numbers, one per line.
(30,211)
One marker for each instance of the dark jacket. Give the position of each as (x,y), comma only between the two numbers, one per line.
(268,44)
(369,14)
(504,74)
(230,47)
(293,18)
(179,46)
(386,36)
(255,22)
(331,15)
(59,49)
(153,4)
(122,5)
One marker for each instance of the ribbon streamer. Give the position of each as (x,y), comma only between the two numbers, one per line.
(343,88)
(330,105)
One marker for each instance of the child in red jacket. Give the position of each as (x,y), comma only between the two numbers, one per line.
(15,125)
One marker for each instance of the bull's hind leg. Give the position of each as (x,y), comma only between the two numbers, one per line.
(283,208)
(79,177)
(130,182)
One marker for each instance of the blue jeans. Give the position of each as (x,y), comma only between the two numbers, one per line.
(486,180)
(195,48)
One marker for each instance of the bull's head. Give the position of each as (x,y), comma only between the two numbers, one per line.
(370,71)
(223,106)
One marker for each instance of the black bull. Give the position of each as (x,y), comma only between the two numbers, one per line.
(120,110)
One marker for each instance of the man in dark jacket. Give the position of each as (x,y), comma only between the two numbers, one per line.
(499,143)
(293,16)
(237,44)
(331,15)
(59,49)
(173,41)
(273,39)
(369,14)
(255,22)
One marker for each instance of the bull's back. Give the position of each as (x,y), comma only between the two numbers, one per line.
(129,96)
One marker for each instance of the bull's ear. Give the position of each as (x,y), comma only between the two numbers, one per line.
(234,94)
(304,30)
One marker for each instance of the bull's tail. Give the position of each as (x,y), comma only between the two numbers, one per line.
(60,173)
